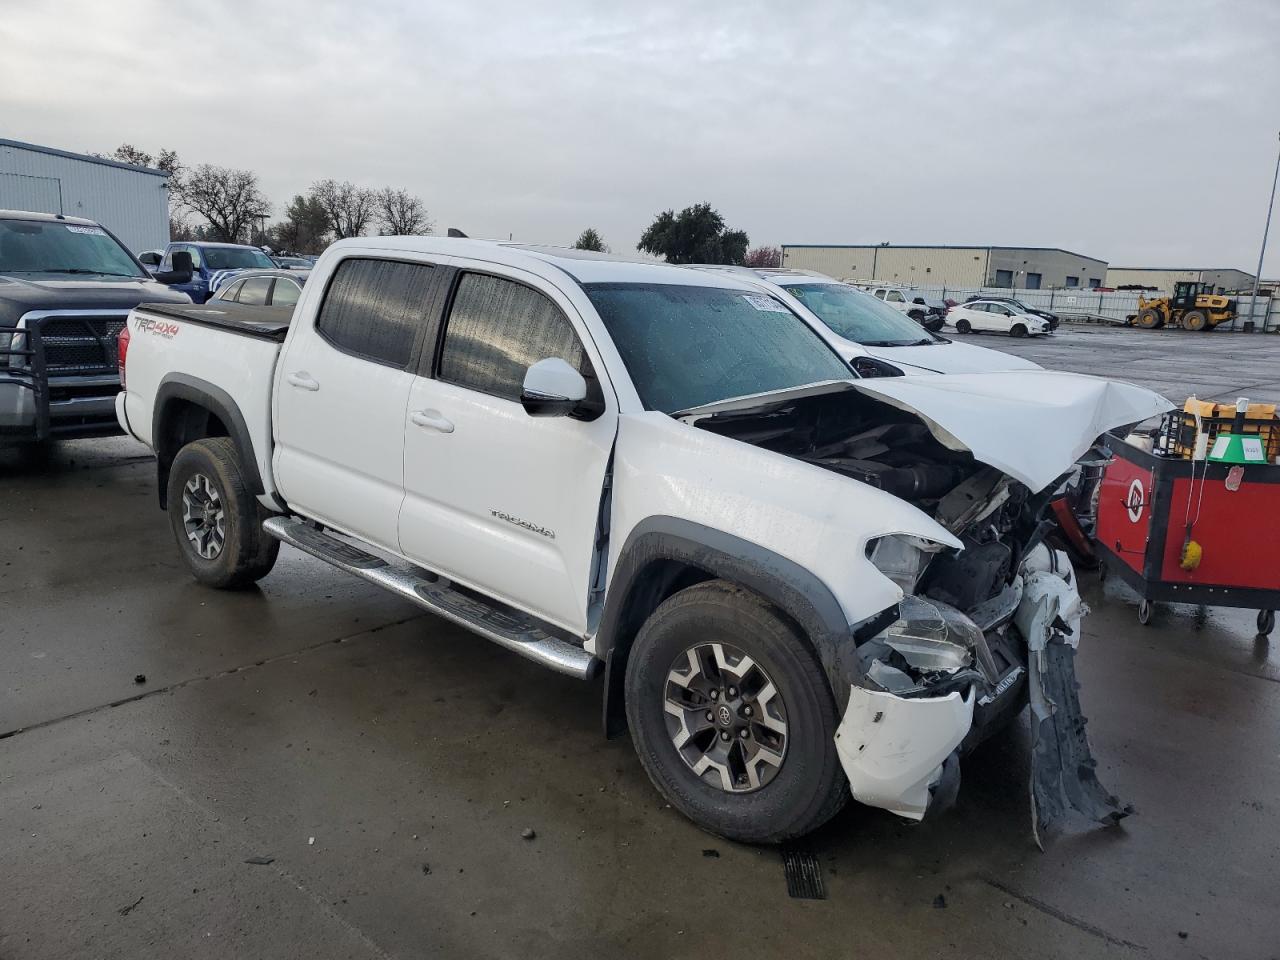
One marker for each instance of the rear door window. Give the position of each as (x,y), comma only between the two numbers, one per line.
(374,309)
(497,329)
(286,293)
(253,291)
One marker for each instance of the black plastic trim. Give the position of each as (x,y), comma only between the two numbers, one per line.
(797,592)
(180,386)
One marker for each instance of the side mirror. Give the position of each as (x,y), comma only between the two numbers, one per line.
(181,272)
(552,388)
(149,259)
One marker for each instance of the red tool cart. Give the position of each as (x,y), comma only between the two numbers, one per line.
(1152,508)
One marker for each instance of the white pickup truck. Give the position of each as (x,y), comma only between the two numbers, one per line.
(796,583)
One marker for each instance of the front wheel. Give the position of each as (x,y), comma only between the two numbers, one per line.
(1195,320)
(1018,330)
(216,519)
(732,717)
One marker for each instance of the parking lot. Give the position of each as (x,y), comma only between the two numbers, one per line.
(315,768)
(1177,363)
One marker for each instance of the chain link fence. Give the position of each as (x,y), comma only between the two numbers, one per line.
(1100,306)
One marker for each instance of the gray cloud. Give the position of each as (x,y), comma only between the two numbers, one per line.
(1139,132)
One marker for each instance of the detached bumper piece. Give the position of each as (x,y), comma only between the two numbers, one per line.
(1063,769)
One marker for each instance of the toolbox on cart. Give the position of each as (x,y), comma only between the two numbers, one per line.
(1152,505)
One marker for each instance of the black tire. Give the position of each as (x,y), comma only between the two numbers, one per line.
(963,326)
(917,315)
(246,552)
(1018,330)
(1266,622)
(1195,320)
(807,787)
(1149,318)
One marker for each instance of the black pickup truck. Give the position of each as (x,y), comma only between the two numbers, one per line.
(66,287)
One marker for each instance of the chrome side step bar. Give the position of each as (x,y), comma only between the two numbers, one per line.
(507,628)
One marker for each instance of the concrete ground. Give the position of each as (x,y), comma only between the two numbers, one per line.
(1218,366)
(385,763)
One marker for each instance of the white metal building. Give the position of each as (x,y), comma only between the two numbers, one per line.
(1163,278)
(132,202)
(1028,268)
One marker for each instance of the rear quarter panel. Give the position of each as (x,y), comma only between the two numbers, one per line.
(161,347)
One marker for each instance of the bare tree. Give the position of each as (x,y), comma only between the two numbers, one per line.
(230,200)
(763,257)
(401,214)
(350,209)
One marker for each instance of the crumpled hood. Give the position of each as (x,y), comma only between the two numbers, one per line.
(952,358)
(1032,425)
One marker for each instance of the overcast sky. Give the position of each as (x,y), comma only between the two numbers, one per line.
(1143,133)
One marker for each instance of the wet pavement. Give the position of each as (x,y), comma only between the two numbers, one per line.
(1177,363)
(386,764)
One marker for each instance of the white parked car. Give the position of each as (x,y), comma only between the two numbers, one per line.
(797,584)
(859,325)
(925,310)
(996,316)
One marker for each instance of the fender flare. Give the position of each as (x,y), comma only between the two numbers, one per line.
(180,386)
(794,590)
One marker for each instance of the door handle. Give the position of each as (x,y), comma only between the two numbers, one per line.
(302,381)
(432,420)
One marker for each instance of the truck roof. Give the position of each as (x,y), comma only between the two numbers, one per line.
(47,217)
(584,266)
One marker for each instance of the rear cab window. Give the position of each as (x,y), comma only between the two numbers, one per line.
(374,309)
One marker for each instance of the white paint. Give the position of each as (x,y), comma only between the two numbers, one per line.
(1032,425)
(892,748)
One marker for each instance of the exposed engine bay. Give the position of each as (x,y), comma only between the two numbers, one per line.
(979,633)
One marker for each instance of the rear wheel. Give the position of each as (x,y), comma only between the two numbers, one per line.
(1149,318)
(732,717)
(1195,320)
(1018,330)
(216,520)
(963,326)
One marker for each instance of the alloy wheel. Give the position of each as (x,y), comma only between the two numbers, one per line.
(725,717)
(203,516)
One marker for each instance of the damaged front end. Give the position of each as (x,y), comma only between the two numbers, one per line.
(940,680)
(979,632)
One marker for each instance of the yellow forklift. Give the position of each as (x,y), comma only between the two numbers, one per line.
(1193,306)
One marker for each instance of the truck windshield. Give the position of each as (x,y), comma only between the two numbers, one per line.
(235,258)
(685,346)
(37,246)
(859,316)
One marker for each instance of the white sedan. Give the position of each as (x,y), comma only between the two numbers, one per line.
(997,316)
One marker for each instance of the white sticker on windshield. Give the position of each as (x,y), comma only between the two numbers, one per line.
(767,304)
(92,231)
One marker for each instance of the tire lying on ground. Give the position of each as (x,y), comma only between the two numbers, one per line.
(216,520)
(732,716)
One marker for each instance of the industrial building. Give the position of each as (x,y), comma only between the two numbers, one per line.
(130,201)
(1164,278)
(1029,268)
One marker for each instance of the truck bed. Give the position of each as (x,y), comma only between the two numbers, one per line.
(268,323)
